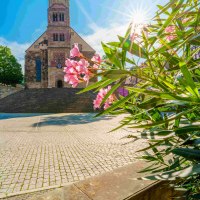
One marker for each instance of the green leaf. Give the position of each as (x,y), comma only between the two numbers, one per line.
(187,129)
(174,174)
(195,196)
(95,85)
(116,104)
(149,103)
(149,158)
(194,142)
(189,154)
(151,146)
(112,90)
(115,74)
(188,78)
(162,95)
(195,40)
(112,55)
(132,47)
(176,116)
(164,9)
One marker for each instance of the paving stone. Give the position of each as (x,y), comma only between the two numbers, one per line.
(64,148)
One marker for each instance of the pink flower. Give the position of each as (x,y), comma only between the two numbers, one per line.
(76,71)
(97,103)
(185,20)
(75,51)
(133,37)
(100,96)
(83,71)
(72,79)
(97,61)
(170,37)
(106,106)
(70,64)
(170,31)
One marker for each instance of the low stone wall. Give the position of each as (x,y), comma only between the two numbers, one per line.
(6,90)
(54,100)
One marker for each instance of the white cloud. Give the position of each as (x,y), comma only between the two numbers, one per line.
(104,34)
(18,50)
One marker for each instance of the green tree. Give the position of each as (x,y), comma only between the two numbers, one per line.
(10,69)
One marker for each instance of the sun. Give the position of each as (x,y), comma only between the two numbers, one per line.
(139,17)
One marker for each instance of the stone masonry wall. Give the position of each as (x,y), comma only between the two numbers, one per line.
(6,90)
(54,100)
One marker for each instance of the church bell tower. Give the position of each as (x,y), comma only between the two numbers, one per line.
(58,22)
(59,37)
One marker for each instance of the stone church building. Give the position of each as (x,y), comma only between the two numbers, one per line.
(45,58)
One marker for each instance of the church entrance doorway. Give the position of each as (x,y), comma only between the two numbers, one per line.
(59,84)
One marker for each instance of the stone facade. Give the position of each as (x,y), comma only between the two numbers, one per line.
(45,58)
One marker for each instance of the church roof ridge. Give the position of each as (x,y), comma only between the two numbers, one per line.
(36,40)
(82,39)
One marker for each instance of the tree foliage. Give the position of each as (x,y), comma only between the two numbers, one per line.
(10,69)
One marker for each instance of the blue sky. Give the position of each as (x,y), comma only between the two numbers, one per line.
(23,21)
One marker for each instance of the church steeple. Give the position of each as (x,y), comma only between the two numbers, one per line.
(58,13)
(64,2)
(58,30)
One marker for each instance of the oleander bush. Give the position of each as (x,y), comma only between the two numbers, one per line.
(162,98)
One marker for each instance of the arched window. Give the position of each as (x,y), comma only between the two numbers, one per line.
(62,17)
(55,37)
(38,65)
(55,17)
(62,37)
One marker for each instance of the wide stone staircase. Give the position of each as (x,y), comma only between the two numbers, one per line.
(54,100)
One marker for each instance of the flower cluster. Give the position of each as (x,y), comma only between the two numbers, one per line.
(75,51)
(78,71)
(170,31)
(102,93)
(96,60)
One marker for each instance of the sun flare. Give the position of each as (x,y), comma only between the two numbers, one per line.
(139,17)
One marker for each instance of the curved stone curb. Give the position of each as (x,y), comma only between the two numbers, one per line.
(33,191)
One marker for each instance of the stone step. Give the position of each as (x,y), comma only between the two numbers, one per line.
(53,100)
(119,184)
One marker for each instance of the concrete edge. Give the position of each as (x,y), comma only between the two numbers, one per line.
(35,190)
(143,190)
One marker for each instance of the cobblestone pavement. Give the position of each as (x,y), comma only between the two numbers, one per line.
(43,151)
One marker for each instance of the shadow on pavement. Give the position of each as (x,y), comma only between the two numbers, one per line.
(4,116)
(70,119)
